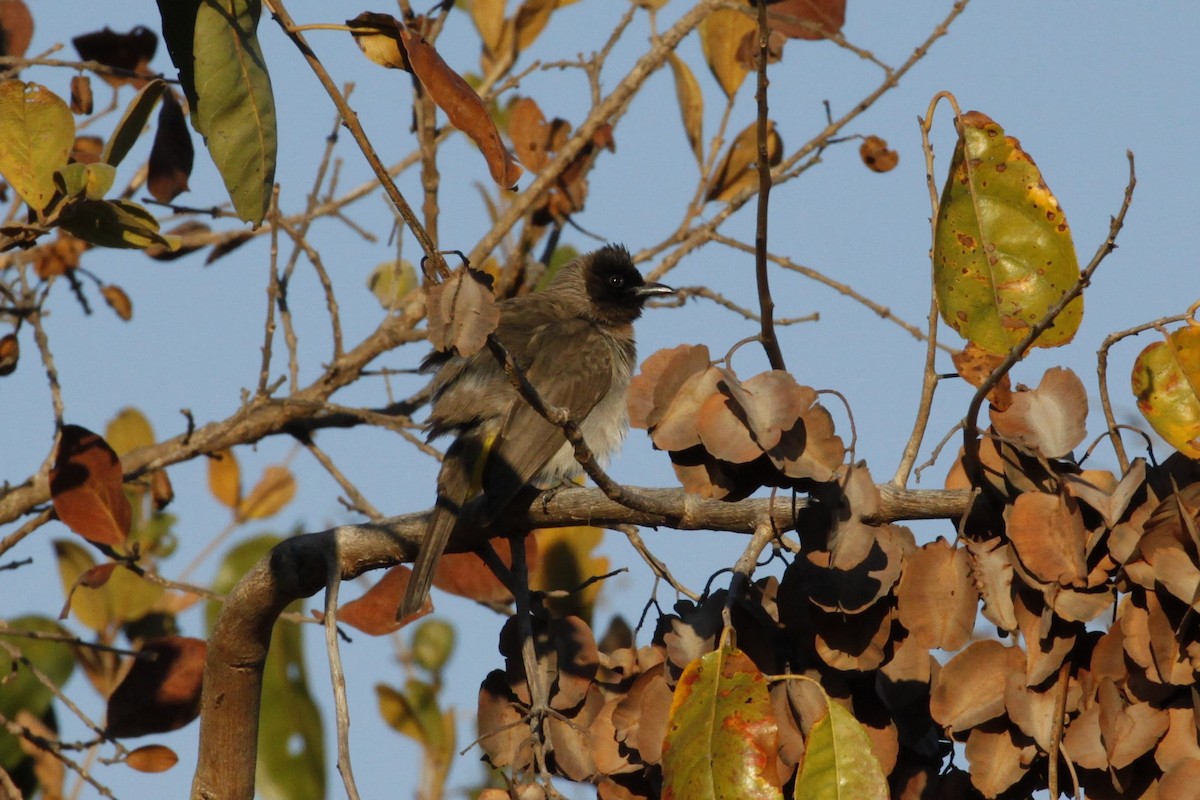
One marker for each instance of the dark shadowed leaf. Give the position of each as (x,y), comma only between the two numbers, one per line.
(214,45)
(161,693)
(86,487)
(133,121)
(172,154)
(114,223)
(16,28)
(807,19)
(127,51)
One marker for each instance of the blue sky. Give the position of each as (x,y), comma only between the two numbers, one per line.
(1078,84)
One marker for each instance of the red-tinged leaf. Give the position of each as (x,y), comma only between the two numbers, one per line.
(838,760)
(807,19)
(172,155)
(465,574)
(722,738)
(374,613)
(152,758)
(85,485)
(936,597)
(462,312)
(162,693)
(1048,533)
(16,28)
(969,690)
(1049,419)
(10,353)
(98,575)
(529,133)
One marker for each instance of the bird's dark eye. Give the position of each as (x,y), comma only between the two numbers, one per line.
(616,281)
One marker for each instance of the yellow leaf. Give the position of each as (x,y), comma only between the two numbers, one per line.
(721,34)
(274,490)
(128,431)
(691,104)
(225,478)
(1166,382)
(36,134)
(738,169)
(565,561)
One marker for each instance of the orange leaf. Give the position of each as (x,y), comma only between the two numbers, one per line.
(152,758)
(85,485)
(225,478)
(1048,533)
(274,490)
(374,613)
(465,574)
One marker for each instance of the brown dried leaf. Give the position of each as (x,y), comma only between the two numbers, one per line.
(1050,419)
(501,733)
(738,168)
(86,487)
(875,154)
(677,428)
(1082,740)
(1082,606)
(572,748)
(161,491)
(1032,711)
(702,475)
(162,693)
(61,256)
(610,757)
(997,762)
(1127,731)
(87,149)
(1181,780)
(1171,663)
(969,690)
(226,247)
(854,644)
(723,431)
(1111,503)
(81,89)
(172,155)
(936,598)
(16,28)
(117,300)
(1049,537)
(660,379)
(975,365)
(807,19)
(640,718)
(810,449)
(129,51)
(991,569)
(462,312)
(152,758)
(1179,745)
(529,133)
(851,539)
(1048,639)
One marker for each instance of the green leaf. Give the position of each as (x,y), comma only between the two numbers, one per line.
(432,644)
(291,741)
(133,122)
(561,256)
(838,761)
(89,180)
(22,691)
(36,135)
(413,712)
(721,740)
(114,223)
(223,73)
(1002,251)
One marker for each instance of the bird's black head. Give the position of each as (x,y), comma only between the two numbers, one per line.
(615,287)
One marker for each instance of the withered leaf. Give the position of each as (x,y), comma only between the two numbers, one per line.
(462,312)
(1049,419)
(640,717)
(374,612)
(1048,639)
(465,574)
(875,154)
(660,379)
(529,133)
(992,572)
(936,597)
(162,693)
(1048,534)
(677,428)
(723,432)
(969,690)
(691,104)
(997,762)
(1112,503)
(572,746)
(86,487)
(721,34)
(810,448)
(172,155)
(10,353)
(1179,745)
(975,365)
(854,644)
(499,718)
(378,36)
(275,489)
(81,91)
(117,300)
(152,758)
(1127,731)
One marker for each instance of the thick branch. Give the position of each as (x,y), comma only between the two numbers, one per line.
(298,568)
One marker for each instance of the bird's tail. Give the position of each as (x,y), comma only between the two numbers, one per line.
(437,534)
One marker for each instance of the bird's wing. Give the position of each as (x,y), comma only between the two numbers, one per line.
(526,441)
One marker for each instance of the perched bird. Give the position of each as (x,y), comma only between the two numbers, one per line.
(574,342)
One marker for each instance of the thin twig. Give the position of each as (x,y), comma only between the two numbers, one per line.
(338,678)
(766,304)
(48,746)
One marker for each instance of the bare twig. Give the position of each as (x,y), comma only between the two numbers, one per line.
(338,678)
(766,305)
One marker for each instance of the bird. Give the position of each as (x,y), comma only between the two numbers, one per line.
(574,342)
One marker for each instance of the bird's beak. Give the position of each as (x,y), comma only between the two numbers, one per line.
(648,290)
